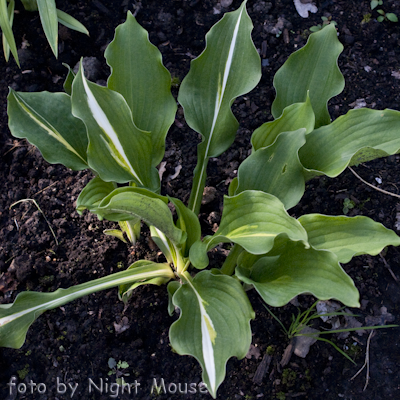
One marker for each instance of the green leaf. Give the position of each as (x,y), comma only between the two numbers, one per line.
(125,290)
(172,287)
(347,236)
(36,117)
(48,17)
(298,270)
(118,151)
(16,318)
(294,117)
(127,203)
(311,69)
(30,5)
(213,325)
(70,22)
(68,80)
(138,74)
(252,219)
(392,17)
(228,67)
(6,20)
(131,229)
(93,193)
(374,4)
(187,222)
(91,196)
(115,233)
(276,169)
(360,135)
(10,14)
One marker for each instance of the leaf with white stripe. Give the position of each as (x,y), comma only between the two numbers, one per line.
(214,323)
(16,318)
(118,151)
(228,67)
(36,117)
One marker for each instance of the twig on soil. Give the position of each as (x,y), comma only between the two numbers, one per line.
(372,186)
(37,206)
(40,191)
(366,362)
(388,267)
(262,369)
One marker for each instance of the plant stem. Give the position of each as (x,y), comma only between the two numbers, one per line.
(199,182)
(228,268)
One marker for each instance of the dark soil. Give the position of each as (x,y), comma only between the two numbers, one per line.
(73,344)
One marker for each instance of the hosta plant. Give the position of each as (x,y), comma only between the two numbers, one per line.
(119,133)
(50,16)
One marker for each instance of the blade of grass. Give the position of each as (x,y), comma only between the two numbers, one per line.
(277,319)
(37,206)
(70,22)
(5,25)
(48,17)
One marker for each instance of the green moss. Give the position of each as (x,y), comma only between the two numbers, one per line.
(288,377)
(46,279)
(280,396)
(175,82)
(271,350)
(22,373)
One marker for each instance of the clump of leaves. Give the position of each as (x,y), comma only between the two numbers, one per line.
(119,133)
(383,15)
(118,369)
(50,16)
(303,320)
(347,205)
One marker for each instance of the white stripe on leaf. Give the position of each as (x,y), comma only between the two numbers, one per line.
(74,295)
(220,94)
(208,335)
(112,141)
(49,128)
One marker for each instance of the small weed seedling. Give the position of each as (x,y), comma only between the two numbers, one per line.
(347,205)
(383,15)
(118,369)
(304,319)
(325,21)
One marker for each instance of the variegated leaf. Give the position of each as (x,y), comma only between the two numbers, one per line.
(16,318)
(213,325)
(118,150)
(229,67)
(36,117)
